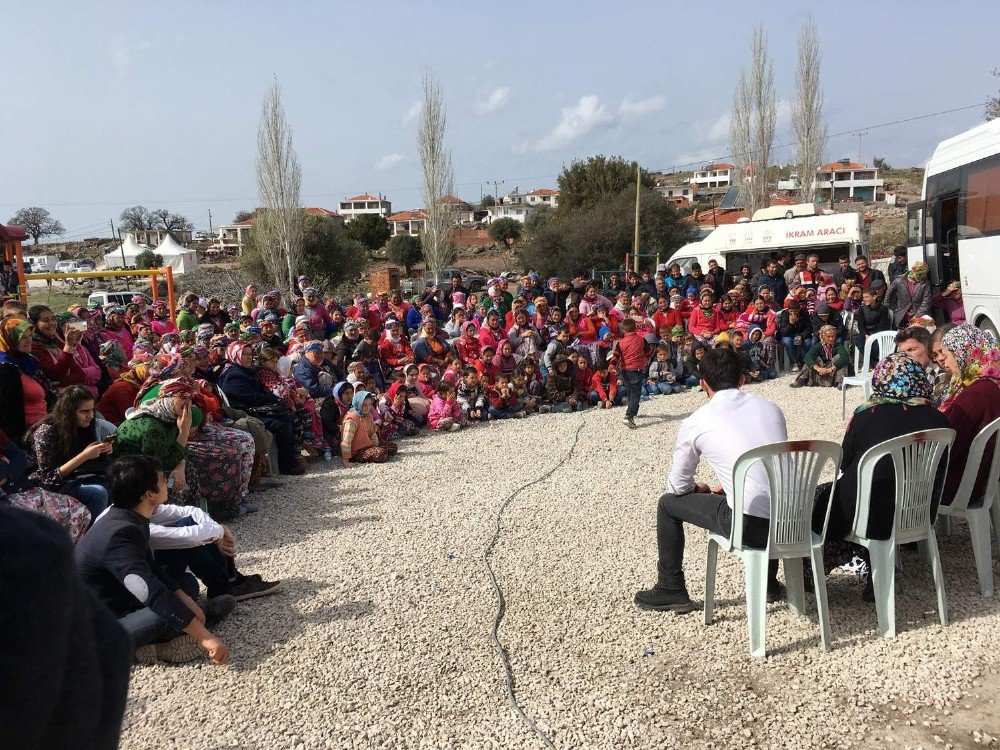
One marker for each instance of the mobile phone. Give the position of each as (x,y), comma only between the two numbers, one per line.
(109,439)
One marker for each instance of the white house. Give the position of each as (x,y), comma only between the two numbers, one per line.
(365,204)
(849,181)
(711,176)
(407,222)
(678,193)
(463,212)
(542,197)
(518,211)
(230,237)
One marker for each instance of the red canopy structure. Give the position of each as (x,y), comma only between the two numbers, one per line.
(11,238)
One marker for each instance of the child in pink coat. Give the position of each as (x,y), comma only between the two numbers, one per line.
(446,412)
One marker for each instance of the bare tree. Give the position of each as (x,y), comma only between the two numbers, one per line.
(439,179)
(807,111)
(279,179)
(136,218)
(37,222)
(755,111)
(993,103)
(162,218)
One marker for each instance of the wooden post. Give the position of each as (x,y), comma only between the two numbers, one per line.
(22,284)
(156,286)
(171,300)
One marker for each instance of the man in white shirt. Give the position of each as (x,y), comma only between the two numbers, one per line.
(731,423)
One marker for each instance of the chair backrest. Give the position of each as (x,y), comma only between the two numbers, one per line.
(915,458)
(793,470)
(884,342)
(963,496)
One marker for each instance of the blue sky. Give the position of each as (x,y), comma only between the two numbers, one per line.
(110,104)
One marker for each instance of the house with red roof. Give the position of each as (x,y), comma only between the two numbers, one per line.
(715,176)
(849,181)
(407,222)
(366,203)
(230,238)
(542,197)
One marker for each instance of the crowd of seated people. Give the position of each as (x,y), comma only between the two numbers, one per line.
(221,402)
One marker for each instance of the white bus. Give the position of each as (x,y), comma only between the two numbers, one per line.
(956,227)
(827,235)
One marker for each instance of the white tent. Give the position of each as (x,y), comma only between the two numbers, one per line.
(129,247)
(175,255)
(178,257)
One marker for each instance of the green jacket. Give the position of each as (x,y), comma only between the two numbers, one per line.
(186,320)
(817,356)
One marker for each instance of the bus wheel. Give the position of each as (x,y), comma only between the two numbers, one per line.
(987,325)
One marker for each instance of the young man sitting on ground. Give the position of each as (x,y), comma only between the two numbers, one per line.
(730,424)
(115,561)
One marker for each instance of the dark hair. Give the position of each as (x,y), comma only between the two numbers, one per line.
(131,477)
(188,299)
(941,330)
(627,325)
(861,257)
(720,369)
(35,312)
(70,439)
(444,388)
(917,333)
(469,371)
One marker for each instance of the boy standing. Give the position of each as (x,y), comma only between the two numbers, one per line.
(633,357)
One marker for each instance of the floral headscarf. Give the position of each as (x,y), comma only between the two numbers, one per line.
(165,366)
(112,354)
(234,352)
(162,407)
(919,272)
(977,356)
(137,374)
(11,332)
(899,379)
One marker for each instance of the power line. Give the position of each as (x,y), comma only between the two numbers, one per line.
(245,199)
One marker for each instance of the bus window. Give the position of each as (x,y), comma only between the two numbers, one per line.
(982,202)
(914,221)
(685,264)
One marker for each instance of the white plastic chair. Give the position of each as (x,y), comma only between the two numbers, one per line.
(978,517)
(915,458)
(793,471)
(885,343)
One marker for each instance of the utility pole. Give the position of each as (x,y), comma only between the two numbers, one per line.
(496,190)
(121,246)
(210,221)
(859,145)
(635,243)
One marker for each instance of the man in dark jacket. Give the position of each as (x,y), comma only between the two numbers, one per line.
(899,266)
(310,369)
(866,275)
(844,272)
(696,278)
(775,282)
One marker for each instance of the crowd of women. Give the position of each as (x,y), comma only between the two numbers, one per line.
(228,399)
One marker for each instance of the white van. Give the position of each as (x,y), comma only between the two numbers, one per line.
(41,263)
(100,299)
(827,235)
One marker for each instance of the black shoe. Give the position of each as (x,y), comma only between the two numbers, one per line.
(775,592)
(217,609)
(663,600)
(630,422)
(795,384)
(253,586)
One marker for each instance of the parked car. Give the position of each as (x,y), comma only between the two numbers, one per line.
(103,298)
(87,265)
(67,266)
(472,281)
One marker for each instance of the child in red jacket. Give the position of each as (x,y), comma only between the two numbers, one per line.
(583,376)
(604,387)
(503,400)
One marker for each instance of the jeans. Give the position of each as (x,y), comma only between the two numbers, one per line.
(691,381)
(633,384)
(206,561)
(145,626)
(707,511)
(595,398)
(93,496)
(794,351)
(560,407)
(504,413)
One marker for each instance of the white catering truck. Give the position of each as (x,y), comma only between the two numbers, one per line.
(826,235)
(956,227)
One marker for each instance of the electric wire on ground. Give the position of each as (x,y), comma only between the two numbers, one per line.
(502,602)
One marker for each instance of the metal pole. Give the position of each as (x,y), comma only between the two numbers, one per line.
(635,243)
(170,292)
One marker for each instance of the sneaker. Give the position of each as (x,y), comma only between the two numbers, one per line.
(544,409)
(455,427)
(775,592)
(146,655)
(327,455)
(218,609)
(664,600)
(250,507)
(251,587)
(178,651)
(520,415)
(630,422)
(490,417)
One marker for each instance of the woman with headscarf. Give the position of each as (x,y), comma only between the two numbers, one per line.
(432,346)
(24,389)
(972,398)
(161,322)
(394,350)
(249,301)
(66,361)
(308,427)
(115,329)
(910,296)
(316,313)
(901,403)
(825,363)
(705,322)
(112,357)
(492,332)
(244,391)
(524,337)
(122,393)
(359,441)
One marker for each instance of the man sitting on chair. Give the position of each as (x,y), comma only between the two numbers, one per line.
(730,424)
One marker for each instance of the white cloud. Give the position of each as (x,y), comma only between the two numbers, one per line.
(642,107)
(496,100)
(719,131)
(575,122)
(389,161)
(412,113)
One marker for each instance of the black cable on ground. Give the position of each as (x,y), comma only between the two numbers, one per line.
(502,602)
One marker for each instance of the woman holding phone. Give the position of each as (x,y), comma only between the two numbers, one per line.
(65,453)
(63,358)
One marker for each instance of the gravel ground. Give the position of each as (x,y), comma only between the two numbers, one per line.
(381,637)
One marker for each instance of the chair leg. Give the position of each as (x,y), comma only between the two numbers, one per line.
(922,549)
(822,610)
(995,513)
(795,585)
(883,558)
(843,410)
(713,558)
(943,525)
(979,530)
(755,577)
(935,556)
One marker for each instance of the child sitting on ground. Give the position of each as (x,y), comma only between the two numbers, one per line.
(470,395)
(485,367)
(603,387)
(446,412)
(747,369)
(582,377)
(662,376)
(560,387)
(761,356)
(503,400)
(453,373)
(520,385)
